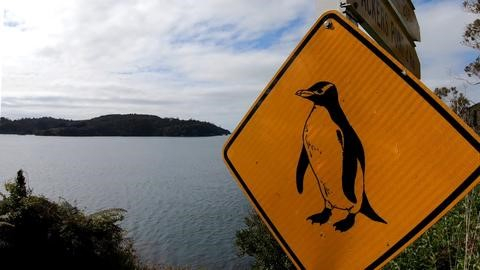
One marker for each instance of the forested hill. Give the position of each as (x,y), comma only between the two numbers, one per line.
(111,125)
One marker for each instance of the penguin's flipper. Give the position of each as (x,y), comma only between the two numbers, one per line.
(302,168)
(340,139)
(349,167)
(368,211)
(349,175)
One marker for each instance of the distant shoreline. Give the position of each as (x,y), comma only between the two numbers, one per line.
(114,125)
(59,136)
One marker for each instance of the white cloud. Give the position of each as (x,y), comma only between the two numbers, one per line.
(191,59)
(442,55)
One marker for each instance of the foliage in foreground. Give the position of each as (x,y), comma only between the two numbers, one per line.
(256,241)
(36,233)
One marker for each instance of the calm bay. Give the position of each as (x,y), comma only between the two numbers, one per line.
(183,207)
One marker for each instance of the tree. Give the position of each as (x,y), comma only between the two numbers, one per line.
(456,100)
(36,233)
(256,241)
(471,38)
(18,190)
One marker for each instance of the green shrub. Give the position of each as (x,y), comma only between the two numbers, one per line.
(36,233)
(256,241)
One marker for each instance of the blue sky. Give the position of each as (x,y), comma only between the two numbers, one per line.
(206,60)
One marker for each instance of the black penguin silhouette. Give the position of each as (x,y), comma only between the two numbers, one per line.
(337,137)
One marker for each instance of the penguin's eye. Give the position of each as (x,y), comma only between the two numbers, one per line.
(318,92)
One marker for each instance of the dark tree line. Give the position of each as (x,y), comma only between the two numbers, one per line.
(111,125)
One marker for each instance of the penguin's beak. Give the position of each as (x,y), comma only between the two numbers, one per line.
(304,93)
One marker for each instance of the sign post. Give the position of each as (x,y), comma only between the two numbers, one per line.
(406,13)
(382,22)
(347,158)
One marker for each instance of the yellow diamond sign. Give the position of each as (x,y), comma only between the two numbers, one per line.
(346,156)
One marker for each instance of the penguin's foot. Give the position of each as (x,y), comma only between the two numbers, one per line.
(345,224)
(322,217)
